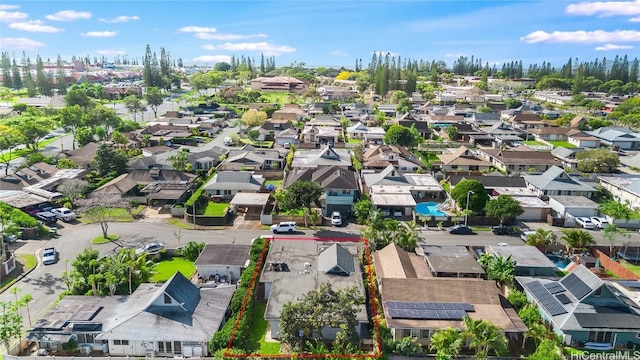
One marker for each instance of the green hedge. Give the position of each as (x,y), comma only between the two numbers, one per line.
(18,217)
(196,196)
(221,338)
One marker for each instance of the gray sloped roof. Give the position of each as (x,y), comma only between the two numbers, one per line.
(336,259)
(182,291)
(555,178)
(564,153)
(235,180)
(388,176)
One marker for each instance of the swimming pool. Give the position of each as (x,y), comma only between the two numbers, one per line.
(561,262)
(429,209)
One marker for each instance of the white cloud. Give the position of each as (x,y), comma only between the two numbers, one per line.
(583,37)
(11,16)
(20,43)
(8,7)
(264,47)
(605,8)
(99,34)
(197,29)
(212,59)
(34,26)
(227,37)
(69,15)
(635,19)
(608,47)
(107,52)
(339,53)
(120,19)
(208,47)
(454,55)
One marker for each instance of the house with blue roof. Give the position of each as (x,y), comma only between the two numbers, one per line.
(586,311)
(618,137)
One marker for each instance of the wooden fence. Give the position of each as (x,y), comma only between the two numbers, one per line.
(613,266)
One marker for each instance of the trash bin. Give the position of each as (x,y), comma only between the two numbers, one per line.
(53,231)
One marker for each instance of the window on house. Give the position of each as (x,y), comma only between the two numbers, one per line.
(167,299)
(600,336)
(165,347)
(177,347)
(85,338)
(333,193)
(346,192)
(425,334)
(415,333)
(121,342)
(227,192)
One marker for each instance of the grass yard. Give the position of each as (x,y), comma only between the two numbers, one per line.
(179,224)
(165,269)
(29,261)
(260,144)
(258,330)
(634,268)
(275,97)
(531,142)
(103,240)
(117,215)
(276,183)
(561,143)
(215,209)
(355,141)
(26,152)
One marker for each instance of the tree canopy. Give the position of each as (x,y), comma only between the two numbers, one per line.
(477,200)
(598,161)
(503,207)
(400,135)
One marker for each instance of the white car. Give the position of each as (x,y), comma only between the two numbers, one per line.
(64,214)
(526,234)
(50,256)
(284,227)
(585,223)
(150,248)
(336,218)
(503,244)
(600,222)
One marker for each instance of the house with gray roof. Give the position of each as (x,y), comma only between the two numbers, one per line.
(171,319)
(530,261)
(226,184)
(294,268)
(623,187)
(373,135)
(326,156)
(586,311)
(567,156)
(341,187)
(556,181)
(617,137)
(251,158)
(451,261)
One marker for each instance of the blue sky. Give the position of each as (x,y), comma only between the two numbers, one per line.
(324,33)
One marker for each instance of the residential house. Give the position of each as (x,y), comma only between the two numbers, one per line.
(582,139)
(83,157)
(586,311)
(550,133)
(526,120)
(617,137)
(569,207)
(623,187)
(370,135)
(294,268)
(288,136)
(250,158)
(556,181)
(325,120)
(451,261)
(483,119)
(520,159)
(161,159)
(394,189)
(392,262)
(279,84)
(388,109)
(326,156)
(463,159)
(341,187)
(462,297)
(171,319)
(225,184)
(502,134)
(530,261)
(578,122)
(357,111)
(631,161)
(289,112)
(320,135)
(337,93)
(567,156)
(379,157)
(222,262)
(156,186)
(270,129)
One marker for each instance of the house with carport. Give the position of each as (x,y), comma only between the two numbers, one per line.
(225,184)
(222,262)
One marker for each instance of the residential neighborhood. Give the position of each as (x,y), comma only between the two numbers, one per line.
(280,211)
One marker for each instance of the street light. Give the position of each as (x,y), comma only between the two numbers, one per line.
(466,212)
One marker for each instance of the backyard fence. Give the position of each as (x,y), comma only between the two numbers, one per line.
(613,266)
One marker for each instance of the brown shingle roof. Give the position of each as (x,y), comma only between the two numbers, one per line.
(472,291)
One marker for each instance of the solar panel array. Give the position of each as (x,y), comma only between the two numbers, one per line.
(563,299)
(554,287)
(427,314)
(546,299)
(576,286)
(428,305)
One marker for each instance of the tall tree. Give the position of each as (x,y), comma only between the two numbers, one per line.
(10,138)
(61,77)
(447,343)
(541,238)
(504,207)
(101,209)
(302,195)
(485,337)
(476,193)
(180,161)
(71,118)
(154,98)
(10,322)
(577,239)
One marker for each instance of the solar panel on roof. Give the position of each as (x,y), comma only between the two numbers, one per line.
(630,284)
(427,314)
(428,305)
(554,287)
(576,286)
(546,300)
(563,299)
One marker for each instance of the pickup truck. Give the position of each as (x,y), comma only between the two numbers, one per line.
(50,256)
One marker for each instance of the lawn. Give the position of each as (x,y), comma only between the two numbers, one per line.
(215,209)
(355,141)
(531,142)
(103,240)
(634,268)
(561,143)
(275,97)
(427,157)
(26,152)
(275,183)
(179,224)
(165,269)
(117,215)
(260,144)
(258,330)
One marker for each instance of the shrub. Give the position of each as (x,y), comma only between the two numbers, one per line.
(529,315)
(191,250)
(407,346)
(518,299)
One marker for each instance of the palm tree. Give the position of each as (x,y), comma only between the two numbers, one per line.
(499,268)
(541,238)
(537,332)
(577,239)
(447,343)
(485,337)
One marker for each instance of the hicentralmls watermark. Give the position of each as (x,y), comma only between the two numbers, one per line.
(615,355)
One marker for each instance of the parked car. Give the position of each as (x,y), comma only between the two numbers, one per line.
(50,256)
(397,212)
(526,234)
(9,238)
(47,217)
(64,214)
(503,244)
(285,226)
(31,210)
(599,222)
(460,230)
(336,218)
(585,223)
(228,141)
(502,230)
(150,248)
